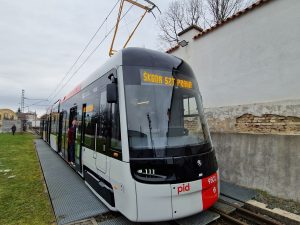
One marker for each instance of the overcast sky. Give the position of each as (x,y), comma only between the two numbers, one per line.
(40,40)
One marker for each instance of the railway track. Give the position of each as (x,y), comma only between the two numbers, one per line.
(242,216)
(237,216)
(231,213)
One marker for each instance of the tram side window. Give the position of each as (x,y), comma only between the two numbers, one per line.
(103,123)
(54,122)
(79,126)
(89,135)
(191,117)
(64,129)
(52,125)
(116,131)
(108,125)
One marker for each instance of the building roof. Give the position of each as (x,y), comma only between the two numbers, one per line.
(173,48)
(24,116)
(9,110)
(221,23)
(190,28)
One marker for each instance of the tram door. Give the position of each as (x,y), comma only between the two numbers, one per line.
(79,137)
(49,129)
(64,142)
(72,116)
(60,127)
(102,134)
(46,130)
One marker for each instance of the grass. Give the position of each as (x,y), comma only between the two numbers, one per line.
(23,196)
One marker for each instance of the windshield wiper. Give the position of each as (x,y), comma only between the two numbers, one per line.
(150,129)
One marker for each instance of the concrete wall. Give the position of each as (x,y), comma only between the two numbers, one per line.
(7,124)
(281,117)
(266,162)
(248,72)
(252,59)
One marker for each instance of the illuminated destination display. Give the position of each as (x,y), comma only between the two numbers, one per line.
(155,78)
(89,108)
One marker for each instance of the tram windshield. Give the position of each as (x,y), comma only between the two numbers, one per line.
(164,114)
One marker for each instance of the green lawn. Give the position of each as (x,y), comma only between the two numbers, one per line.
(23,196)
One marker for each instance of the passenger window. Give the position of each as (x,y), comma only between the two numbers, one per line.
(116,131)
(54,123)
(190,106)
(90,124)
(192,121)
(79,126)
(102,126)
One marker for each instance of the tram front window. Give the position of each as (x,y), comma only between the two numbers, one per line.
(164,116)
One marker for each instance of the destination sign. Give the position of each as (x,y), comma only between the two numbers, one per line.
(156,78)
(89,108)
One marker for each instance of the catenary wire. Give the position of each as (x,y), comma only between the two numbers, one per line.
(84,49)
(88,57)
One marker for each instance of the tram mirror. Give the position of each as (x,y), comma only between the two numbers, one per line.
(112,93)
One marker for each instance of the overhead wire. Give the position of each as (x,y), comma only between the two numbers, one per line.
(92,52)
(36,103)
(84,49)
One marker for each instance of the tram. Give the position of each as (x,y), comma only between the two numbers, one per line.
(142,143)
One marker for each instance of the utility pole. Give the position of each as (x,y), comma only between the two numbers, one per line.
(22,100)
(35,119)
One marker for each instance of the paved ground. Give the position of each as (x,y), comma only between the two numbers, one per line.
(73,202)
(71,198)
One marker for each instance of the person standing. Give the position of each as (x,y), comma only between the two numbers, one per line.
(13,129)
(71,143)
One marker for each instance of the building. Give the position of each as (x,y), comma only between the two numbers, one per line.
(7,114)
(248,68)
(7,119)
(28,119)
(248,71)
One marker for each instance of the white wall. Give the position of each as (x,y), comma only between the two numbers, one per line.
(252,59)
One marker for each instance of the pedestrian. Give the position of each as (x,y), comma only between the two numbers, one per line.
(13,129)
(71,142)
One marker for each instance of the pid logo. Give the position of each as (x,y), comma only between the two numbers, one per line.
(183,188)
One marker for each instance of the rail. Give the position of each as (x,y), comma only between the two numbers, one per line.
(245,214)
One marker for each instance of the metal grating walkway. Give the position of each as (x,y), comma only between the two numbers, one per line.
(202,218)
(71,198)
(73,201)
(236,192)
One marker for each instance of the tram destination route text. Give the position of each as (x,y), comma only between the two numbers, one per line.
(155,78)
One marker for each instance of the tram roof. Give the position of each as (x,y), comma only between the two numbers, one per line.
(131,56)
(134,56)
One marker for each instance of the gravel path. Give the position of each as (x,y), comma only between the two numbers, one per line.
(274,202)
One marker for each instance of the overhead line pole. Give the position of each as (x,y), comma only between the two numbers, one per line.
(138,4)
(134,29)
(22,100)
(146,8)
(111,51)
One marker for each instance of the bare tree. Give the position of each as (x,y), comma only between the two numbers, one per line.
(180,15)
(194,13)
(203,13)
(222,9)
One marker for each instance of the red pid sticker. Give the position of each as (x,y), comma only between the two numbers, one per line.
(209,190)
(183,188)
